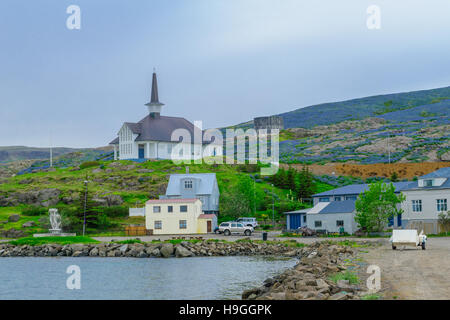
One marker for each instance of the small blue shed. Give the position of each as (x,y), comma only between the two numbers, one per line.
(296,219)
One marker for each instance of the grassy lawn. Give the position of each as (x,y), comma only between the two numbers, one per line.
(31,241)
(5,212)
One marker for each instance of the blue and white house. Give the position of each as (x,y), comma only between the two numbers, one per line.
(426,198)
(201,186)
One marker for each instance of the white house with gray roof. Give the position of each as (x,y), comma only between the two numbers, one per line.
(201,186)
(426,198)
(151,138)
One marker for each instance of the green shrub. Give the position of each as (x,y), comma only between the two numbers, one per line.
(115,211)
(347,275)
(34,211)
(89,164)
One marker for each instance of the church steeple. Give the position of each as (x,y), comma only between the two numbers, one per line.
(154,106)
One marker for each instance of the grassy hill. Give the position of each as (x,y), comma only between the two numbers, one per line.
(129,184)
(15,153)
(401,127)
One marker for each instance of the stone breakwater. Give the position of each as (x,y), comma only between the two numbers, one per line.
(147,250)
(310,278)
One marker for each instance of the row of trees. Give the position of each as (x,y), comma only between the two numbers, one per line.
(301,183)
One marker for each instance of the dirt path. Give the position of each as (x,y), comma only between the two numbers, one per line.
(414,273)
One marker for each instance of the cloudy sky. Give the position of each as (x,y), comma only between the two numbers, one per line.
(219,61)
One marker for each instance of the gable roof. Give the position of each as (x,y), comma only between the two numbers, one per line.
(440,173)
(339,207)
(356,189)
(205,186)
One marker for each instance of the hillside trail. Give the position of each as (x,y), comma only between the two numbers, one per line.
(414,274)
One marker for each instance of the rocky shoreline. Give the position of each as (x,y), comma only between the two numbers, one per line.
(310,278)
(147,250)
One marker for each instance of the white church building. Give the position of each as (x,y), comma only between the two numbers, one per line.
(151,138)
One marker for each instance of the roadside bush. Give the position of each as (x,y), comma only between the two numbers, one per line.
(89,164)
(34,211)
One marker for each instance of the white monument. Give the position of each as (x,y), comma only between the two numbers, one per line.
(56,226)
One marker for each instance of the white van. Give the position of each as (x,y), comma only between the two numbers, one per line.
(247,221)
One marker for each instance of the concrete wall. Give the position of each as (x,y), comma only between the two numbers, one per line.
(170,220)
(273,122)
(137,212)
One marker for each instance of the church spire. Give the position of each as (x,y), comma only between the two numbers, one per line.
(154,106)
(154,97)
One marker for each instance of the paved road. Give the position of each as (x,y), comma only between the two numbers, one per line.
(414,273)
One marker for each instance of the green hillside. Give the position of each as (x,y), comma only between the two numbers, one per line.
(123,184)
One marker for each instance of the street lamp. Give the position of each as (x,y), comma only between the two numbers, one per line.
(273,209)
(85,205)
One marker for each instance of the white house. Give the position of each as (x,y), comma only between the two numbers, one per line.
(151,138)
(426,198)
(178,216)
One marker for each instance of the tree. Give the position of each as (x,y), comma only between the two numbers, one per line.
(91,210)
(374,207)
(444,220)
(394,177)
(291,178)
(305,186)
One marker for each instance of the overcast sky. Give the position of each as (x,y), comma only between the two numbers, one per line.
(219,61)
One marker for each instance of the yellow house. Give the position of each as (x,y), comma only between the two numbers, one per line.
(178,216)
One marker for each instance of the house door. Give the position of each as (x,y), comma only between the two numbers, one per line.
(141,151)
(208,226)
(295,221)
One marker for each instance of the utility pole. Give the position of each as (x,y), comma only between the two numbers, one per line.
(85,205)
(254,197)
(51,150)
(389,150)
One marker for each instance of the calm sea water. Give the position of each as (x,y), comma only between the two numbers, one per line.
(131,278)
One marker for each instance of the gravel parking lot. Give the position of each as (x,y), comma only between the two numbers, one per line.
(414,273)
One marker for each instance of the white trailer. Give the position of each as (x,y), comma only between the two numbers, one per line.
(408,238)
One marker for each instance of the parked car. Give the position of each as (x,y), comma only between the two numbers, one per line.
(227,228)
(306,232)
(248,221)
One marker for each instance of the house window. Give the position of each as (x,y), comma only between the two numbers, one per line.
(183,224)
(339,223)
(183,208)
(441,205)
(324,199)
(304,218)
(427,183)
(337,198)
(417,205)
(350,198)
(156,209)
(188,184)
(317,224)
(170,208)
(158,224)
(169,149)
